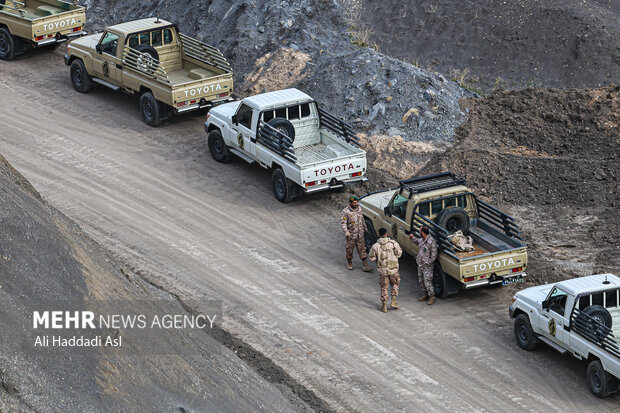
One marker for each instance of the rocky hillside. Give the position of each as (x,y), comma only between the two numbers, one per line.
(512,44)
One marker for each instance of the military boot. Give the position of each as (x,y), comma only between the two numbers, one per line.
(349,265)
(424,297)
(384,306)
(394,304)
(366,267)
(431,300)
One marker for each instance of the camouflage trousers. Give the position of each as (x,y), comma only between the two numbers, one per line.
(391,279)
(361,247)
(425,279)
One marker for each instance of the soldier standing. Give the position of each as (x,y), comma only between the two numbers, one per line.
(426,257)
(386,253)
(354,227)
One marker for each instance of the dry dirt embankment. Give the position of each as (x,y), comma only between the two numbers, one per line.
(47,261)
(551,158)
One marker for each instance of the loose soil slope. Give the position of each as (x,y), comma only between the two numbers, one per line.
(551,158)
(46,258)
(557,43)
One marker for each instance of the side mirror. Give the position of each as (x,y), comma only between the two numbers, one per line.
(98,48)
(234,119)
(387,211)
(545,304)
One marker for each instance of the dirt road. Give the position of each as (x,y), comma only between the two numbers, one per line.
(158,201)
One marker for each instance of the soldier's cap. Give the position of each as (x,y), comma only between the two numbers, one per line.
(353,198)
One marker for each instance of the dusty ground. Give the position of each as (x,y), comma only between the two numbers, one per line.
(551,43)
(194,227)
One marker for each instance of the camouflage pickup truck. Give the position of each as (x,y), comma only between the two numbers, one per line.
(171,72)
(445,205)
(37,23)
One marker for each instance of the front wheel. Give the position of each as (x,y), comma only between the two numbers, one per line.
(151,113)
(7,44)
(282,187)
(79,77)
(526,339)
(602,384)
(217,147)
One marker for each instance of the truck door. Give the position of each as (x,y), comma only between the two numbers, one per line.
(552,320)
(105,60)
(243,129)
(396,224)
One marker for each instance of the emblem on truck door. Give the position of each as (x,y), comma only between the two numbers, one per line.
(240,140)
(551,326)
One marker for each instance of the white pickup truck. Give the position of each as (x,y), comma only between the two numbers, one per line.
(580,316)
(285,131)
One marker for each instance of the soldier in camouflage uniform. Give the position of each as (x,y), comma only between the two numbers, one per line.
(386,252)
(354,227)
(426,258)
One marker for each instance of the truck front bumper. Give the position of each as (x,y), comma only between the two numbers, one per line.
(333,184)
(496,280)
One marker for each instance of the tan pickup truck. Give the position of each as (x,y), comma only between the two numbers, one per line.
(37,23)
(171,72)
(446,205)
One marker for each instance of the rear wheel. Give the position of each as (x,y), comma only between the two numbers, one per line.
(151,110)
(602,384)
(217,147)
(440,283)
(7,44)
(79,77)
(526,339)
(282,186)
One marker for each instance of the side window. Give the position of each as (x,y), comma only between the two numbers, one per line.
(268,115)
(461,201)
(145,38)
(156,38)
(109,42)
(557,301)
(133,41)
(167,36)
(281,113)
(293,112)
(399,206)
(424,209)
(436,207)
(305,110)
(244,116)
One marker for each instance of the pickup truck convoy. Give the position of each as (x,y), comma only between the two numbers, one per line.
(171,72)
(37,23)
(580,316)
(446,205)
(306,148)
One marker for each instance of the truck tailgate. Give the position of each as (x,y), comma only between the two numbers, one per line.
(340,168)
(501,263)
(210,89)
(63,23)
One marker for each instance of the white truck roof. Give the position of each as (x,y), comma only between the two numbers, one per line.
(278,98)
(589,284)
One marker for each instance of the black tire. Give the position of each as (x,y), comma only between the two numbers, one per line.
(283,126)
(602,384)
(454,219)
(217,147)
(7,44)
(440,283)
(282,186)
(79,77)
(145,63)
(526,339)
(370,236)
(151,109)
(600,314)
